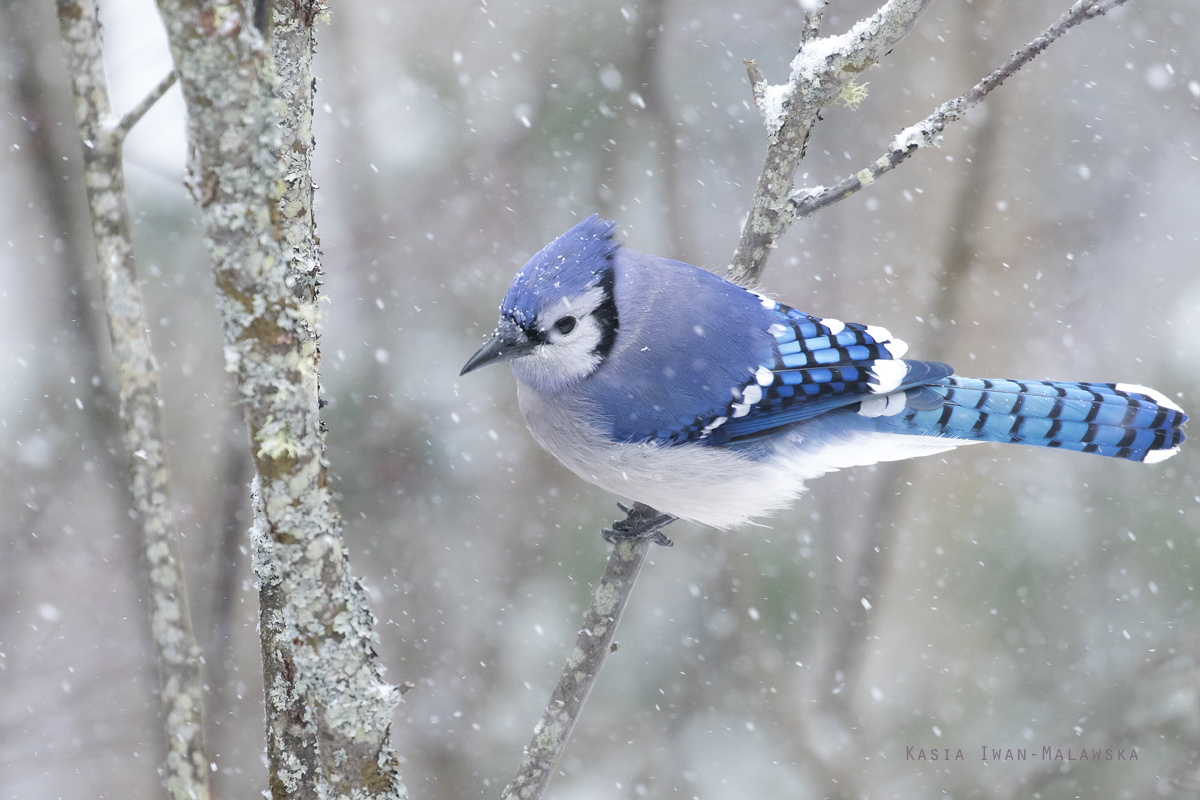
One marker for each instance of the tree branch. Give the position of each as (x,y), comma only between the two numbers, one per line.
(187,766)
(328,709)
(135,114)
(928,132)
(814,10)
(592,646)
(819,73)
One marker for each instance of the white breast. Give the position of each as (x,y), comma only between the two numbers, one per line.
(712,485)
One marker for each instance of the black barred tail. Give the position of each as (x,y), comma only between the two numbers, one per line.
(1111,419)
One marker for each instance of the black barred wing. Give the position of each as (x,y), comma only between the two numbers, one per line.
(818,365)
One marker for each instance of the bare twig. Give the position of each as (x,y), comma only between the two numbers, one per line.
(819,73)
(927,132)
(625,561)
(812,20)
(758,83)
(186,771)
(583,665)
(328,708)
(135,114)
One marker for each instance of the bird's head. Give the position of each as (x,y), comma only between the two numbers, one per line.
(558,320)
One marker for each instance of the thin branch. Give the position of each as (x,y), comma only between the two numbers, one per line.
(187,765)
(758,83)
(928,132)
(592,646)
(134,115)
(553,730)
(819,73)
(812,20)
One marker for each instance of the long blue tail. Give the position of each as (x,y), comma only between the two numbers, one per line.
(1111,419)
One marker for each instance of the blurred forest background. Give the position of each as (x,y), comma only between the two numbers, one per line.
(998,596)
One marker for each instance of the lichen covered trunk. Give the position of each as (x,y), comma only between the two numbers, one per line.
(249,127)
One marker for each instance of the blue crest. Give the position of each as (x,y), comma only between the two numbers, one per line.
(567,267)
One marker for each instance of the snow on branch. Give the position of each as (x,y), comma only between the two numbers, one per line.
(820,72)
(788,112)
(928,132)
(187,767)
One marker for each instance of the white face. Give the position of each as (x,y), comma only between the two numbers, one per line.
(570,352)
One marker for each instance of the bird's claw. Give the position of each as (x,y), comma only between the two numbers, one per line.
(641,522)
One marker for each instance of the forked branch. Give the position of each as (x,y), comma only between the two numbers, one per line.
(134,115)
(187,767)
(928,132)
(822,69)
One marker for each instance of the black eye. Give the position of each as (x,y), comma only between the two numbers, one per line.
(565,325)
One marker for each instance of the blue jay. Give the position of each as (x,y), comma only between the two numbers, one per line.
(663,382)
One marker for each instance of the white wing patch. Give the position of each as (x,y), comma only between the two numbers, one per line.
(767,303)
(887,376)
(745,399)
(888,405)
(835,326)
(878,333)
(712,426)
(884,337)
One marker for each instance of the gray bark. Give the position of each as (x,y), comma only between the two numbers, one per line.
(186,772)
(249,131)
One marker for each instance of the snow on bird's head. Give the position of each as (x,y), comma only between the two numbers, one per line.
(566,268)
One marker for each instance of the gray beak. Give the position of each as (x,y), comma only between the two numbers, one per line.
(509,342)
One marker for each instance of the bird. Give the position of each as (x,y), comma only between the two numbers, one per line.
(665,383)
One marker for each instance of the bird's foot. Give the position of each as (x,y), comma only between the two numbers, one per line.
(641,522)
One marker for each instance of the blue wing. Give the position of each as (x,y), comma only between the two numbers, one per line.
(815,365)
(708,362)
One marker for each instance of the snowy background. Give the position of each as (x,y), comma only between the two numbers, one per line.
(1018,598)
